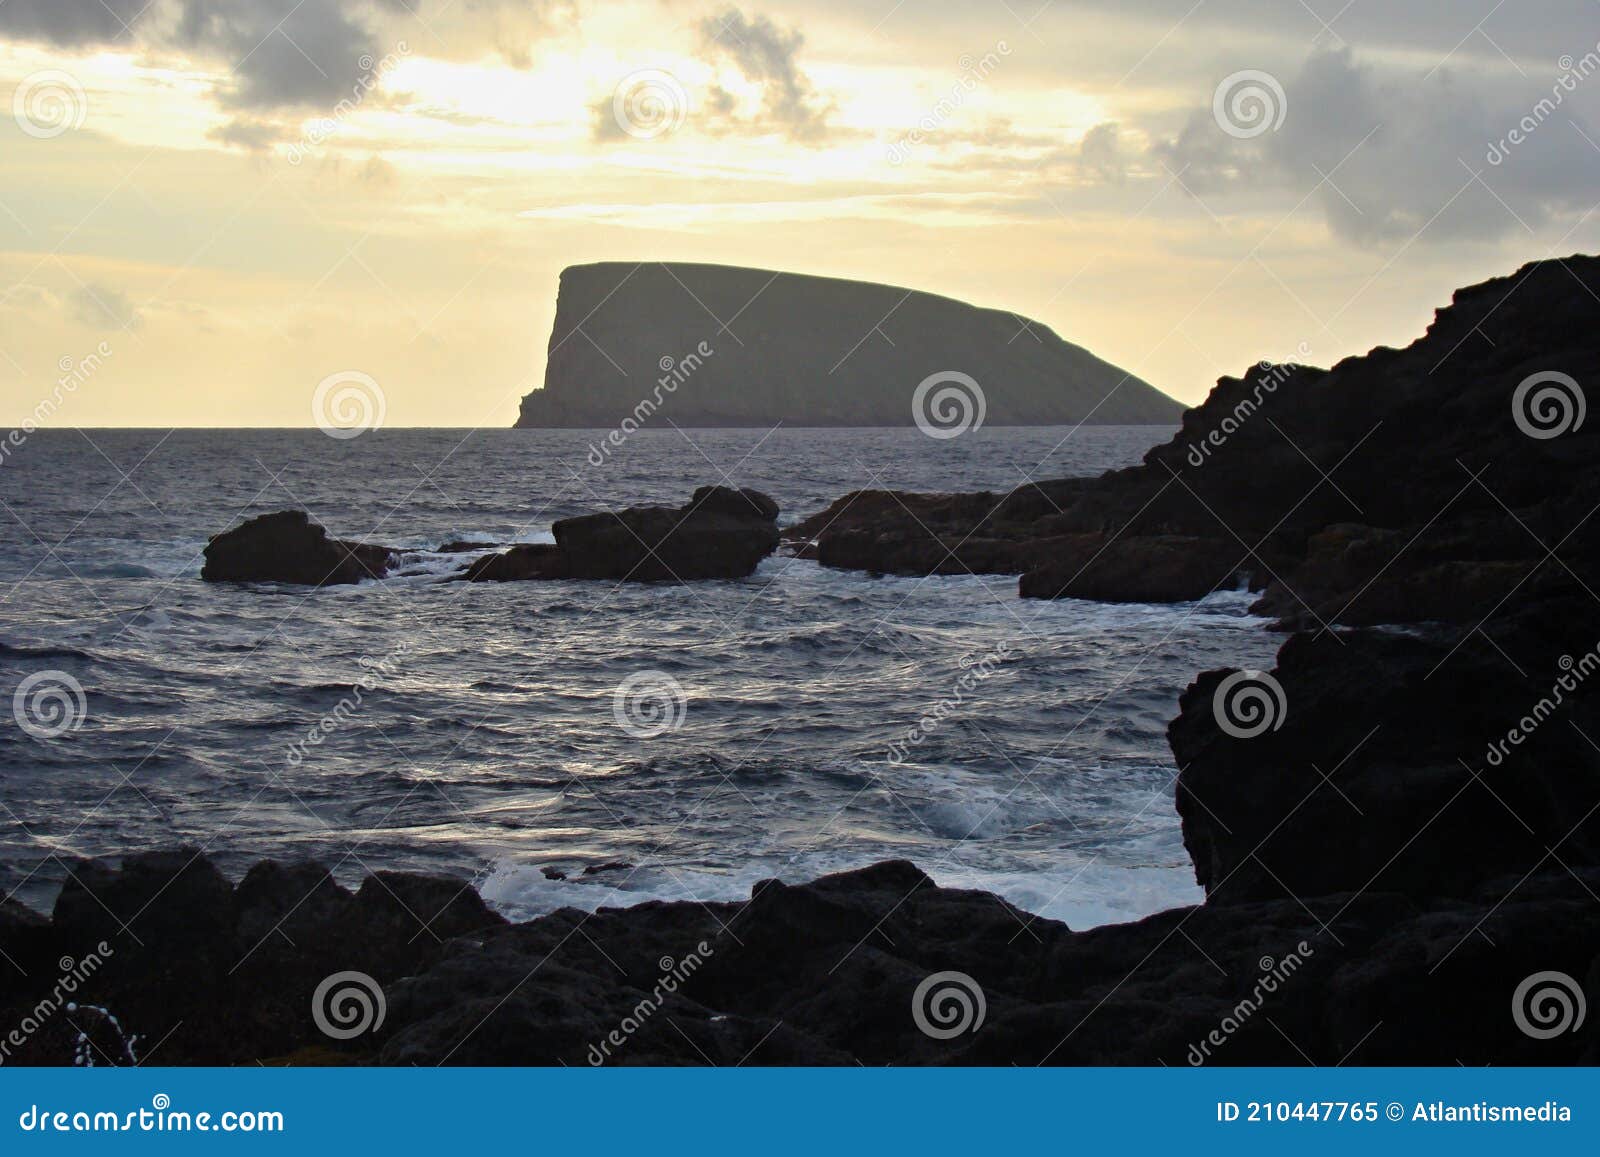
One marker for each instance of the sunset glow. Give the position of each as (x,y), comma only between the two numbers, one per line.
(237,224)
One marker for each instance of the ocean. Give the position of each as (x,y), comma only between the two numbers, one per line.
(577,744)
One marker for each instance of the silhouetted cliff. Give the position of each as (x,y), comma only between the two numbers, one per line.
(714,345)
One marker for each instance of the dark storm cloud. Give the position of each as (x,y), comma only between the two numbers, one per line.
(1388,153)
(279,53)
(70,23)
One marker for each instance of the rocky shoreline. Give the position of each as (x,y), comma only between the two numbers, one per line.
(1398,827)
(1412,485)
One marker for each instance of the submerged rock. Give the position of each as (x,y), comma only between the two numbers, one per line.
(287,547)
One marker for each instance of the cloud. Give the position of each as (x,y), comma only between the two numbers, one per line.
(253,136)
(282,52)
(1390,154)
(271,54)
(605,125)
(1100,154)
(766,55)
(474,29)
(71,23)
(276,53)
(101,307)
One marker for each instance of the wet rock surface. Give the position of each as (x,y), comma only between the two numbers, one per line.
(287,547)
(721,533)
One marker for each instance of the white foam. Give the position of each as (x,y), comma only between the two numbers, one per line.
(1085,895)
(423,563)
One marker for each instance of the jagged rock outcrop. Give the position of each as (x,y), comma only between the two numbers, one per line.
(716,345)
(1404,485)
(845,969)
(1425,762)
(287,547)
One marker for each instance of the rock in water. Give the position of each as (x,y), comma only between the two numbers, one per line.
(287,547)
(537,560)
(808,351)
(722,533)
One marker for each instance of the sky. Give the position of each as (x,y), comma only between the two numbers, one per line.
(208,208)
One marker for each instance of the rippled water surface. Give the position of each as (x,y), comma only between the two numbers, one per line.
(472,728)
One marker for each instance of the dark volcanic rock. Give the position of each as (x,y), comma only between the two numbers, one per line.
(1392,766)
(1401,486)
(206,972)
(288,547)
(1146,569)
(886,532)
(838,971)
(722,533)
(174,895)
(531,561)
